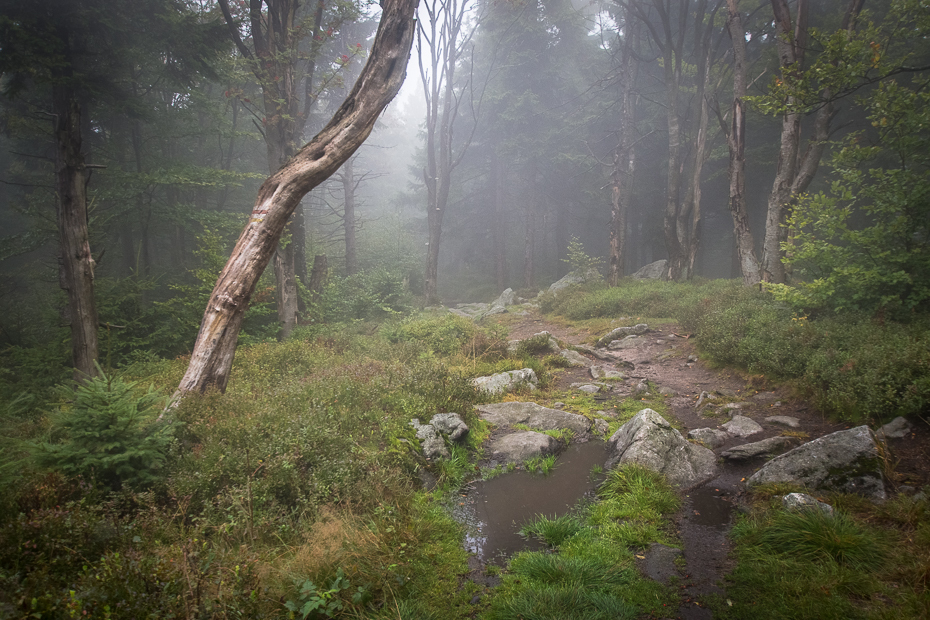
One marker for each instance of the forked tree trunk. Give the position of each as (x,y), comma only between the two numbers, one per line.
(280,194)
(76,265)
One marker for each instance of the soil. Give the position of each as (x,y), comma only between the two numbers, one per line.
(669,359)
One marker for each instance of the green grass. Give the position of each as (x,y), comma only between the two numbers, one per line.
(541,464)
(591,573)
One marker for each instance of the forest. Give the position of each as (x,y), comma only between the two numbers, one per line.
(245,242)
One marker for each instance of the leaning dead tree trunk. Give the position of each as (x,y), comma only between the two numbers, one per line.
(280,194)
(76,265)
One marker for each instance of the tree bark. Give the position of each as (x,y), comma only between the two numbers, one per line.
(280,194)
(75,263)
(348,216)
(318,277)
(624,162)
(736,143)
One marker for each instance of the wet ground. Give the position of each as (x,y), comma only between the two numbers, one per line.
(495,509)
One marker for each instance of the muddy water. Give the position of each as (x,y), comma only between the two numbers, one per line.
(497,508)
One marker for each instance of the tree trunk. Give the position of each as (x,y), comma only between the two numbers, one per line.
(318,277)
(529,247)
(736,143)
(348,216)
(281,193)
(75,263)
(499,231)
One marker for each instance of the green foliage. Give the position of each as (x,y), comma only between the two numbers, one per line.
(585,266)
(444,334)
(312,602)
(109,434)
(541,464)
(376,293)
(853,367)
(865,244)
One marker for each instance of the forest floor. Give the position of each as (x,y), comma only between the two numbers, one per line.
(666,359)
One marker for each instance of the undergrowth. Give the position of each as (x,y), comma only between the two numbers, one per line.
(855,367)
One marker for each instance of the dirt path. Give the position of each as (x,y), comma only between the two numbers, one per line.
(669,361)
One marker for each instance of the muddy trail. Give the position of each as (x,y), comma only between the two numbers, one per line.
(671,364)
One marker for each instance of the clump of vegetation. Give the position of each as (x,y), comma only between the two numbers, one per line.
(109,435)
(592,574)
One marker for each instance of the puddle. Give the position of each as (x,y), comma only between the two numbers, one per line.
(497,508)
(709,508)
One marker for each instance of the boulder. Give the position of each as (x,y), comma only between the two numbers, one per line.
(630,342)
(572,279)
(534,416)
(522,446)
(470,310)
(499,305)
(506,381)
(797,502)
(710,437)
(450,424)
(896,429)
(741,426)
(622,332)
(758,448)
(641,388)
(431,441)
(649,440)
(845,461)
(765,397)
(601,426)
(784,420)
(653,271)
(588,388)
(574,358)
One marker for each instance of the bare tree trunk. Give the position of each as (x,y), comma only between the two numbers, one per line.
(348,216)
(624,162)
(529,247)
(498,232)
(736,143)
(76,265)
(318,277)
(281,193)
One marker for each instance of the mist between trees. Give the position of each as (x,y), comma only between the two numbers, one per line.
(784,143)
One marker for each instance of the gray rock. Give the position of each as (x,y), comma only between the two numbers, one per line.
(603,372)
(797,502)
(653,271)
(534,416)
(574,358)
(573,278)
(648,439)
(727,392)
(431,441)
(765,397)
(595,352)
(589,388)
(667,391)
(692,358)
(500,305)
(450,424)
(601,426)
(522,446)
(660,341)
(622,332)
(896,429)
(470,310)
(630,342)
(784,420)
(741,426)
(710,437)
(845,461)
(659,564)
(704,396)
(506,381)
(758,448)
(558,405)
(641,388)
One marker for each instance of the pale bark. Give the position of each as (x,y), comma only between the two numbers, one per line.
(624,162)
(348,216)
(75,263)
(736,143)
(281,193)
